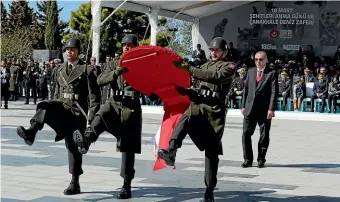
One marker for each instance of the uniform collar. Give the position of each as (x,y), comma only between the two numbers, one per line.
(75,63)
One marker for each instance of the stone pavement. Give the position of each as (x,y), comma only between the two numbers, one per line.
(303,164)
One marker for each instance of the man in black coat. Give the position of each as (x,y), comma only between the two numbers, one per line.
(258,106)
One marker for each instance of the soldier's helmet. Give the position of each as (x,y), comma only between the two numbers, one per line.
(130,39)
(73,43)
(218,43)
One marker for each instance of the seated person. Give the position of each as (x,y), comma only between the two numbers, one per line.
(237,86)
(333,94)
(298,91)
(320,91)
(285,86)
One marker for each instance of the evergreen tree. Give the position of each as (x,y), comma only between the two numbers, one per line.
(51,31)
(4,19)
(20,15)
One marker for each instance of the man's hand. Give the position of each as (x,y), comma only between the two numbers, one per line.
(181,90)
(182,65)
(242,111)
(270,114)
(121,70)
(284,93)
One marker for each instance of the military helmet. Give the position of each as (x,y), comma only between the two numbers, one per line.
(131,39)
(73,43)
(218,43)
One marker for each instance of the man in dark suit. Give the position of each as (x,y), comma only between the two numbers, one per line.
(258,106)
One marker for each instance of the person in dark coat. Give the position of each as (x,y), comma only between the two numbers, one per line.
(77,100)
(320,90)
(204,120)
(258,107)
(5,75)
(333,94)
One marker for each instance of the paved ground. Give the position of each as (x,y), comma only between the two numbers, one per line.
(303,164)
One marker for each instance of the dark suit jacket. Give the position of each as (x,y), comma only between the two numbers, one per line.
(319,87)
(260,97)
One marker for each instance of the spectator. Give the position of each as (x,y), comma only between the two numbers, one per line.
(333,94)
(320,92)
(198,56)
(298,91)
(285,86)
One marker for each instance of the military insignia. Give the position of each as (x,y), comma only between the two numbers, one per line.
(76,97)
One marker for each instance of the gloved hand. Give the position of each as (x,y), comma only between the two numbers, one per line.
(181,90)
(121,70)
(182,65)
(153,97)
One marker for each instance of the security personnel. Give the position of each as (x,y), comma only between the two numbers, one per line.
(77,100)
(204,120)
(121,116)
(285,87)
(32,75)
(237,86)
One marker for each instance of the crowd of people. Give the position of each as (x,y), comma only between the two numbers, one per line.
(295,72)
(29,80)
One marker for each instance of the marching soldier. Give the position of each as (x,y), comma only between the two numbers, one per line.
(237,86)
(32,75)
(204,120)
(121,116)
(78,95)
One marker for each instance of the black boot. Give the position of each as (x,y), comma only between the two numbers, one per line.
(208,196)
(84,140)
(29,134)
(169,155)
(125,191)
(74,187)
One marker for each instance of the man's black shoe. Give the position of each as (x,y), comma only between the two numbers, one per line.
(247,164)
(72,189)
(168,156)
(125,193)
(260,164)
(28,135)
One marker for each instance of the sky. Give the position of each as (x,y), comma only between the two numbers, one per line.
(65,14)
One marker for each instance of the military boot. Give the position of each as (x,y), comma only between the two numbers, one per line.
(29,134)
(74,187)
(125,191)
(169,155)
(208,196)
(84,140)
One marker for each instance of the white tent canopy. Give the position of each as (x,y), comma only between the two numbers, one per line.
(190,11)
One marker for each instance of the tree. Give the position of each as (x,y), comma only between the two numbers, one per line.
(61,26)
(4,19)
(182,41)
(112,32)
(51,31)
(23,33)
(20,15)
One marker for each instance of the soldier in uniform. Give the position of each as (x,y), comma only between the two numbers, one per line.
(13,80)
(204,120)
(285,87)
(31,74)
(237,86)
(77,94)
(121,116)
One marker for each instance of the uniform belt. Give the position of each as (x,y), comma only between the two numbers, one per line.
(70,96)
(125,93)
(208,93)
